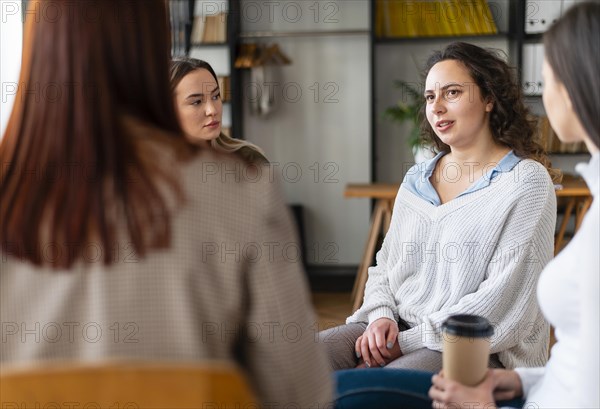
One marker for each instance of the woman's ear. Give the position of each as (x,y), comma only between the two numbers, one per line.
(489,106)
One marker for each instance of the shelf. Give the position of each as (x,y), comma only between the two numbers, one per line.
(209,44)
(533,38)
(568,153)
(321,33)
(403,40)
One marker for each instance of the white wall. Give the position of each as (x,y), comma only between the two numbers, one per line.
(11,35)
(329,127)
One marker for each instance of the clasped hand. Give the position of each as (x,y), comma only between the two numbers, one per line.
(378,346)
(498,384)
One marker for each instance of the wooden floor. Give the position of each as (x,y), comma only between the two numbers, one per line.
(332,308)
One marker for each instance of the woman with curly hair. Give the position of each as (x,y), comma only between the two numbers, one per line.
(471,229)
(569,289)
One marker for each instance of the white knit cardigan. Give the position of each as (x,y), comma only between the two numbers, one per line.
(481,253)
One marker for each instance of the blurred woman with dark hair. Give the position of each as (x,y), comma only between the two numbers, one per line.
(104,222)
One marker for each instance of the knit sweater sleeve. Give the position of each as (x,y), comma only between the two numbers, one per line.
(379,299)
(506,297)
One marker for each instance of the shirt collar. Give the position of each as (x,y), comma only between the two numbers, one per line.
(430,165)
(506,164)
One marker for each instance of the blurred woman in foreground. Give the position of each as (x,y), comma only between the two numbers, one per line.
(110,220)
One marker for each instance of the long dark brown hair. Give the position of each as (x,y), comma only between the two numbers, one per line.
(182,66)
(572,48)
(94,83)
(510,123)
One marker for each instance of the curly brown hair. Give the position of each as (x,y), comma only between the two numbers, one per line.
(510,122)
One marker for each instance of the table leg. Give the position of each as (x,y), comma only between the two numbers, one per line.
(387,217)
(581,211)
(361,278)
(563,226)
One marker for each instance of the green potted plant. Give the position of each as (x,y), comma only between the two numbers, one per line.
(407,109)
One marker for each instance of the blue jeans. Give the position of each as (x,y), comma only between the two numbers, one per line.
(380,388)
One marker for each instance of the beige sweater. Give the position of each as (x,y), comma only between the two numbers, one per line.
(230,288)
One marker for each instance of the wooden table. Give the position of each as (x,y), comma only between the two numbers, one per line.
(577,197)
(574,191)
(384,194)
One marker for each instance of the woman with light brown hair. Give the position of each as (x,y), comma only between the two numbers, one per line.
(117,239)
(199,105)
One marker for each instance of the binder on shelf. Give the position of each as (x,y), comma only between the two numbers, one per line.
(210,29)
(179,14)
(470,17)
(433,18)
(449,19)
(398,23)
(537,66)
(533,58)
(428,18)
(540,14)
(488,23)
(208,36)
(224,87)
(409,27)
(381,19)
(550,142)
(197,30)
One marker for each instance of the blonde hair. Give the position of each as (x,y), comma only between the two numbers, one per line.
(248,151)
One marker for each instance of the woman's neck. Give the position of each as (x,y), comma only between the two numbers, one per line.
(478,156)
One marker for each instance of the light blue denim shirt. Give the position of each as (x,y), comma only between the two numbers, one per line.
(417,179)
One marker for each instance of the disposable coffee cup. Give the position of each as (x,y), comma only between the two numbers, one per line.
(466,351)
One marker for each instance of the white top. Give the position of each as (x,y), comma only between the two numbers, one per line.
(480,253)
(569,294)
